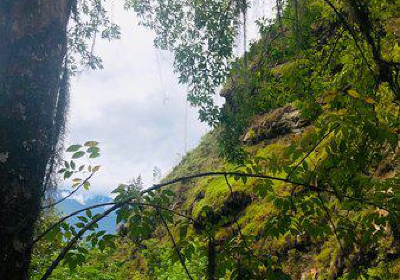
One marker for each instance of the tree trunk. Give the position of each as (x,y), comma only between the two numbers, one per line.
(211,265)
(32,49)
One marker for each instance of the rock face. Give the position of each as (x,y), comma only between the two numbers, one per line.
(276,123)
(234,204)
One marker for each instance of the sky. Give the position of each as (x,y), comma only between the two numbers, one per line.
(134,107)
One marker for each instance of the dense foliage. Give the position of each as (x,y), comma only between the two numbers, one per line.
(320,203)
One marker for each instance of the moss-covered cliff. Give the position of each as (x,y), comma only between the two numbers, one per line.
(300,178)
(311,107)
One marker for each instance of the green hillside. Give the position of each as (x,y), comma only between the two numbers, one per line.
(300,178)
(303,105)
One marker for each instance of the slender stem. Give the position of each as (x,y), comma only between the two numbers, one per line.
(56,224)
(69,195)
(53,226)
(128,200)
(310,152)
(181,259)
(332,223)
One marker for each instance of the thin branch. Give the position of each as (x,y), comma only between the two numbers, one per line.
(73,241)
(249,250)
(56,224)
(181,259)
(332,223)
(221,173)
(128,200)
(351,31)
(69,195)
(311,151)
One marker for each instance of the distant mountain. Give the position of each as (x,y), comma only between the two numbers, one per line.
(71,205)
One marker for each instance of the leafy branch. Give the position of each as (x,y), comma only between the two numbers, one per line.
(130,200)
(311,151)
(84,182)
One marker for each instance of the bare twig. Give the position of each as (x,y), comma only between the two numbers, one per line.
(332,223)
(311,151)
(59,222)
(53,226)
(69,195)
(181,259)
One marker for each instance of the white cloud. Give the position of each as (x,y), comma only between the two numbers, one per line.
(123,107)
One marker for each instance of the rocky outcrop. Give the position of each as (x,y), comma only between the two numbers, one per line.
(276,123)
(235,203)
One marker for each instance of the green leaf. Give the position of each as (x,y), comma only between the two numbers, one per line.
(93,150)
(88,213)
(86,185)
(91,143)
(78,155)
(94,155)
(353,93)
(68,174)
(73,148)
(83,219)
(263,189)
(96,168)
(168,193)
(80,225)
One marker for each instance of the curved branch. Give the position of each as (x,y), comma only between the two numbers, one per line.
(56,224)
(181,259)
(311,151)
(72,242)
(69,195)
(128,200)
(53,226)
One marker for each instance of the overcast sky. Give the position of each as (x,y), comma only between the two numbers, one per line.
(134,107)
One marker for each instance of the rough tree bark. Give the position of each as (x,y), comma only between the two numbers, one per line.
(32,50)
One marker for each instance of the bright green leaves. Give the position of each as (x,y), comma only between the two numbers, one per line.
(94,152)
(90,150)
(264,188)
(73,148)
(78,154)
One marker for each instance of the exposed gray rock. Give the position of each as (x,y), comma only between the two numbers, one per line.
(278,122)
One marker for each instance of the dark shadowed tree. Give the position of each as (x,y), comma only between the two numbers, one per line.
(39,48)
(33,42)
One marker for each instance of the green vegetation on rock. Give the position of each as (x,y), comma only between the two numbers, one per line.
(309,143)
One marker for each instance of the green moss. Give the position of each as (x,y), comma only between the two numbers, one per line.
(287,68)
(254,217)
